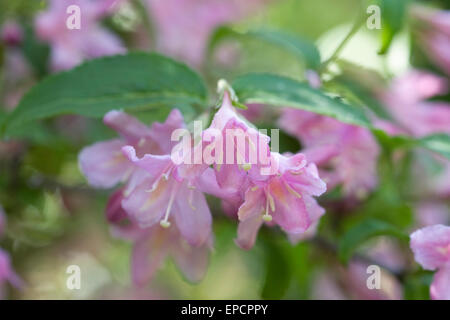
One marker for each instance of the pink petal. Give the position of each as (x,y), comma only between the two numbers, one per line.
(431,246)
(248,230)
(148,255)
(154,165)
(147,207)
(193,261)
(254,203)
(192,216)
(131,129)
(440,288)
(103,163)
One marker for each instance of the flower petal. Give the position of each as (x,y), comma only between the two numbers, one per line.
(431,246)
(148,207)
(148,254)
(131,129)
(192,261)
(192,216)
(103,163)
(440,288)
(247,231)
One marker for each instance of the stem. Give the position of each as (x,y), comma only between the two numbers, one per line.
(356,26)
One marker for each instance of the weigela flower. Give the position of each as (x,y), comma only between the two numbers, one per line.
(436,35)
(167,213)
(406,102)
(69,47)
(11,33)
(284,198)
(154,244)
(345,154)
(104,163)
(431,247)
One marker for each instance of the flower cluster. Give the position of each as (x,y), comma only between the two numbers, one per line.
(162,206)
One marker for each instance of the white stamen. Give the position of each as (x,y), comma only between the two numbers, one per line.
(165,222)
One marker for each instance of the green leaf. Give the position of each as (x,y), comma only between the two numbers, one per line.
(439,143)
(364,231)
(393,14)
(133,82)
(278,272)
(285,92)
(305,50)
(417,286)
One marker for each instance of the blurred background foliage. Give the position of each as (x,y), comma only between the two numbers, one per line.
(55,219)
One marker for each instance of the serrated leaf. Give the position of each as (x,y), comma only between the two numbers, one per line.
(285,92)
(364,231)
(133,82)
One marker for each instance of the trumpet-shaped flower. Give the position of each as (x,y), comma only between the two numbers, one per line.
(104,164)
(285,198)
(431,247)
(153,245)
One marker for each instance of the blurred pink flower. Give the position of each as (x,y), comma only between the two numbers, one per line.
(11,33)
(345,154)
(436,35)
(154,244)
(7,273)
(431,247)
(71,46)
(406,102)
(184,26)
(286,197)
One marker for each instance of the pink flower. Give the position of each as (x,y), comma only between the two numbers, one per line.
(346,154)
(284,198)
(431,247)
(104,164)
(153,245)
(7,273)
(71,46)
(164,193)
(11,33)
(436,35)
(406,102)
(184,26)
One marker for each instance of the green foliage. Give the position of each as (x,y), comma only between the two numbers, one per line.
(134,82)
(278,271)
(284,92)
(393,13)
(364,231)
(303,49)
